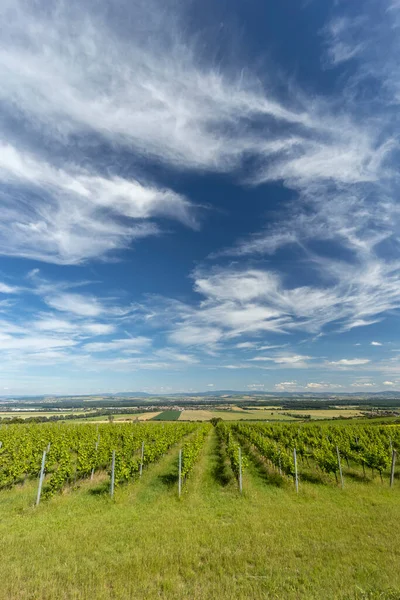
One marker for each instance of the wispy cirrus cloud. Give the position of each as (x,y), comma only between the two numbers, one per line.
(95,140)
(68,215)
(238,302)
(344,219)
(154,97)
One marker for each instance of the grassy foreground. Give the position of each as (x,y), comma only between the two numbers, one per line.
(269,543)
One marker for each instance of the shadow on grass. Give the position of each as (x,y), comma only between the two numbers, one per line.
(101,489)
(221,471)
(312,478)
(357,476)
(169,479)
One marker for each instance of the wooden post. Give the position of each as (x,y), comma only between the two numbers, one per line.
(296,478)
(340,467)
(141,461)
(392,468)
(112,474)
(95,449)
(39,492)
(240,471)
(280,463)
(180,474)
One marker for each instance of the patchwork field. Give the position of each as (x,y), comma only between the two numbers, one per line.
(333,413)
(268,414)
(26,414)
(144,416)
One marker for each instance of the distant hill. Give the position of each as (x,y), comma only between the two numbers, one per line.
(206,394)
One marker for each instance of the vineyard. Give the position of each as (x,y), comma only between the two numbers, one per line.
(181,509)
(67,454)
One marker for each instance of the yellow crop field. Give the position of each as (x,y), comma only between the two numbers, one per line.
(196,415)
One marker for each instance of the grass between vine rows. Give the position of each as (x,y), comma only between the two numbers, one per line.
(213,543)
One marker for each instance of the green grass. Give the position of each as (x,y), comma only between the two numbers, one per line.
(167,415)
(324,543)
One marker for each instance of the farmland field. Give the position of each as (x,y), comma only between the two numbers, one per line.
(141,416)
(28,414)
(267,414)
(167,415)
(213,542)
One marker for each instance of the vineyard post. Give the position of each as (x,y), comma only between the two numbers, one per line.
(340,467)
(240,471)
(39,492)
(392,468)
(296,478)
(180,474)
(112,474)
(141,460)
(95,448)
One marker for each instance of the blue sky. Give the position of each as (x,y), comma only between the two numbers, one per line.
(199,195)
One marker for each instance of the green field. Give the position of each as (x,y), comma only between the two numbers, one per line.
(167,415)
(324,543)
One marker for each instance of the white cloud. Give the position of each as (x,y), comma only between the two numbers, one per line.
(173,355)
(149,94)
(246,345)
(8,289)
(363,384)
(191,335)
(350,362)
(317,386)
(339,34)
(271,347)
(54,324)
(376,344)
(252,301)
(99,328)
(33,343)
(290,359)
(153,96)
(284,386)
(388,383)
(77,304)
(128,345)
(76,214)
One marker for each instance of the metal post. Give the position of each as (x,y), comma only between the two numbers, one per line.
(296,478)
(112,474)
(39,492)
(141,461)
(340,467)
(180,474)
(392,468)
(240,471)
